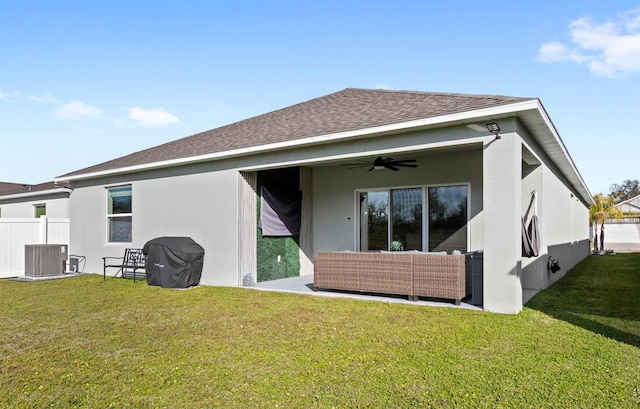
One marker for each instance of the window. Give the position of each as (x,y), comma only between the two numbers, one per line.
(39,210)
(119,214)
(393,219)
(447,218)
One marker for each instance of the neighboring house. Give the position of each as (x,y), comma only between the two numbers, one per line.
(469,191)
(30,214)
(49,199)
(623,235)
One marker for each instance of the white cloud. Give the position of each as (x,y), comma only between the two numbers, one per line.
(152,117)
(77,110)
(608,49)
(44,98)
(4,96)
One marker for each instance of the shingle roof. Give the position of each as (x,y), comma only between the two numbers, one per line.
(8,189)
(347,110)
(6,186)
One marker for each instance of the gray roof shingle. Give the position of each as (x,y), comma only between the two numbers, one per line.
(8,189)
(346,110)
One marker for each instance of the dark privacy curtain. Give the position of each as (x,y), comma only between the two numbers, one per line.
(280,213)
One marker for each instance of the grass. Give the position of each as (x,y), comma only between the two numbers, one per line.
(82,342)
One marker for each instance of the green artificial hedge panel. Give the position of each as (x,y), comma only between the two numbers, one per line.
(269,248)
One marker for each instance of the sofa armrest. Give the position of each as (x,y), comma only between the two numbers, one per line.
(439,276)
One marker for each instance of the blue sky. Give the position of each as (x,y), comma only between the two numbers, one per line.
(83,82)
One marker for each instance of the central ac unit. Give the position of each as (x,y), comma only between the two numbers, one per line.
(42,260)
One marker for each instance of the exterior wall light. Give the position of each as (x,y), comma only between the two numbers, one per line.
(494,128)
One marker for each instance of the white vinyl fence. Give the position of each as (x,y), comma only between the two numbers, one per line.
(15,233)
(622,235)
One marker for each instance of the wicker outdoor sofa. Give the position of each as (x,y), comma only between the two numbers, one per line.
(414,274)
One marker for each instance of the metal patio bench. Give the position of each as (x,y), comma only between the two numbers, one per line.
(131,265)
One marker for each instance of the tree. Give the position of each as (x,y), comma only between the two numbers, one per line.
(625,191)
(603,209)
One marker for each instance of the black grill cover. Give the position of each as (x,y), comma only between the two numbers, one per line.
(173,262)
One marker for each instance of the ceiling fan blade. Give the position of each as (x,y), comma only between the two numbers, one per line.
(379,163)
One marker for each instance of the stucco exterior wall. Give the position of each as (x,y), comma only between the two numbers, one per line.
(567,227)
(563,220)
(502,164)
(57,206)
(201,205)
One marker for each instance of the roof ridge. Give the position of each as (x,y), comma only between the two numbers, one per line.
(440,93)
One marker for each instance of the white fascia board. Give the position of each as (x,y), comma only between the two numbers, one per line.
(558,140)
(38,193)
(334,137)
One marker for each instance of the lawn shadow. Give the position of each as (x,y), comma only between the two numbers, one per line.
(602,288)
(579,319)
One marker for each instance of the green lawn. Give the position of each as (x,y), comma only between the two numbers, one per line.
(82,342)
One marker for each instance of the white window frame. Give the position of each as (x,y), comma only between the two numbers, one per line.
(114,215)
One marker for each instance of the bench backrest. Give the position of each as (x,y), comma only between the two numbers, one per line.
(133,258)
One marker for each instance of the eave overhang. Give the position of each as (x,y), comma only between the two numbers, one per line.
(25,195)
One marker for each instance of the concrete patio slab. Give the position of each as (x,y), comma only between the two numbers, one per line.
(304,285)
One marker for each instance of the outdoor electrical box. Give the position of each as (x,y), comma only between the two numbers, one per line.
(45,260)
(73,265)
(477,276)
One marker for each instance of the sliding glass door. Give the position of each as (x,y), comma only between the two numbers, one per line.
(406,219)
(374,220)
(447,218)
(392,219)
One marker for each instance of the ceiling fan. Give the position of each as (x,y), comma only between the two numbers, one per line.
(387,163)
